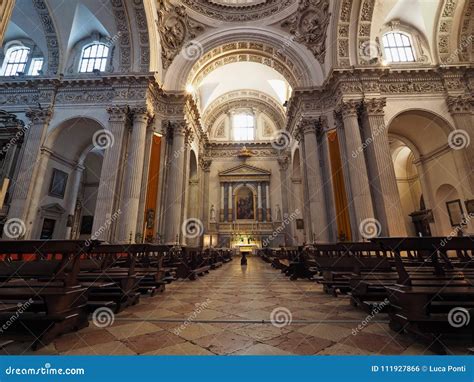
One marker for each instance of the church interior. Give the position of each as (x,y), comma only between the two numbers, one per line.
(236,177)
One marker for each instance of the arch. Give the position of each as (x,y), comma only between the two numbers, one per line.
(54,53)
(244,99)
(237,44)
(79,130)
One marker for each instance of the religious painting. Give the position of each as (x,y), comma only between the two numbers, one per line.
(245,204)
(58,184)
(456,215)
(470,207)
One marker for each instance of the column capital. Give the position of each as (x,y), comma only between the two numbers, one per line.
(460,104)
(142,114)
(375,106)
(38,115)
(118,113)
(348,109)
(284,162)
(205,164)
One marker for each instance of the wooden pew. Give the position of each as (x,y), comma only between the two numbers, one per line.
(40,295)
(422,309)
(192,264)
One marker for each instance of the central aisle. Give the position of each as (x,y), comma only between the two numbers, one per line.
(238,310)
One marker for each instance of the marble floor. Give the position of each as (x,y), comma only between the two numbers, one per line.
(252,310)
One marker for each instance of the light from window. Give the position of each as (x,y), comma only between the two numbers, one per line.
(15,61)
(36,66)
(243,126)
(397,47)
(94,57)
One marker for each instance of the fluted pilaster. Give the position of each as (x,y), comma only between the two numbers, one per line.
(176,181)
(387,203)
(133,176)
(107,210)
(315,182)
(27,180)
(354,166)
(462,111)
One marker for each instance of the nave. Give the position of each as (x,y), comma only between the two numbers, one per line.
(222,313)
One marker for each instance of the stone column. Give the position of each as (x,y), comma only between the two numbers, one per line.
(108,185)
(284,162)
(259,203)
(176,183)
(29,167)
(73,191)
(6,9)
(229,204)
(133,177)
(145,180)
(206,170)
(268,206)
(461,108)
(318,223)
(354,166)
(387,203)
(308,235)
(221,212)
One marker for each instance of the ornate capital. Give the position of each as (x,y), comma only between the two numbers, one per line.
(348,109)
(375,106)
(118,113)
(39,115)
(284,162)
(141,114)
(460,104)
(205,164)
(308,125)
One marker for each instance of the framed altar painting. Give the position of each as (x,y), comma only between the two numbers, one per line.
(245,206)
(456,214)
(57,188)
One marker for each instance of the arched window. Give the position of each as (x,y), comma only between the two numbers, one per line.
(94,57)
(243,127)
(16,60)
(397,47)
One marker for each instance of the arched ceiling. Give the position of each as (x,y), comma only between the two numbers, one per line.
(241,76)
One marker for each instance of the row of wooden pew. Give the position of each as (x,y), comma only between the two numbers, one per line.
(427,282)
(48,288)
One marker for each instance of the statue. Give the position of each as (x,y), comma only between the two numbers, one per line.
(278,213)
(150,218)
(213,214)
